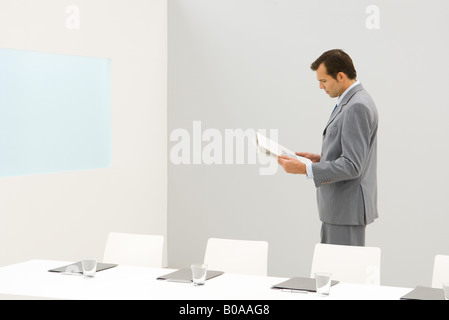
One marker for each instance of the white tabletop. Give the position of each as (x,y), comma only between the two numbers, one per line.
(32,279)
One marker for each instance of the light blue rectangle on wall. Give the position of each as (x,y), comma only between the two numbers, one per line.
(55,112)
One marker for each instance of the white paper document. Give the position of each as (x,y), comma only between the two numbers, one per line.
(270,147)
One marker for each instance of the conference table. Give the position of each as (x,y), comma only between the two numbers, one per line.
(31,280)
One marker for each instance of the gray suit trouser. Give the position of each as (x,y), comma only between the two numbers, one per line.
(343,235)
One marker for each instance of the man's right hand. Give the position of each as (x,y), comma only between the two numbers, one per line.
(312,156)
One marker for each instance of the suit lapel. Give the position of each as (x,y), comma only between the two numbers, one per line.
(344,102)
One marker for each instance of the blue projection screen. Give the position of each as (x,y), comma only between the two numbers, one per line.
(55,113)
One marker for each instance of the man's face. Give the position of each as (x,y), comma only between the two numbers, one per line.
(333,87)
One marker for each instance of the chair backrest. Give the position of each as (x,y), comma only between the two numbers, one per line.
(440,271)
(237,256)
(348,263)
(139,250)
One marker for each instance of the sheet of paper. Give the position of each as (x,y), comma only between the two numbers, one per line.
(274,149)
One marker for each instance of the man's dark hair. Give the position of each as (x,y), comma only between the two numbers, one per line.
(336,61)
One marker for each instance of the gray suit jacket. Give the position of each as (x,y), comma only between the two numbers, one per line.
(346,176)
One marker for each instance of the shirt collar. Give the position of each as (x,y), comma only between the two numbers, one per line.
(340,98)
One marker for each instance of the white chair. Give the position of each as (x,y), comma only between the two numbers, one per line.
(237,256)
(440,271)
(139,250)
(348,263)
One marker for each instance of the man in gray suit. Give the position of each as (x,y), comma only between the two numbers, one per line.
(345,173)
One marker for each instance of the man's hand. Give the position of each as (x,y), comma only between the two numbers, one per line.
(311,156)
(292,165)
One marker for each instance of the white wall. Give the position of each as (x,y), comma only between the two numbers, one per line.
(68,215)
(246,64)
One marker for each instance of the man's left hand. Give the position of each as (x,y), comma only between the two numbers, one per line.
(292,165)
